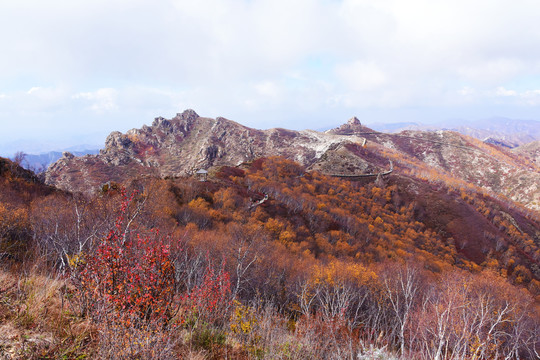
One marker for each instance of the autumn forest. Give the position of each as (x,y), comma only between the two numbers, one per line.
(267,260)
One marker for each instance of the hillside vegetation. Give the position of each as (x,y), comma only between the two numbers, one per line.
(268,261)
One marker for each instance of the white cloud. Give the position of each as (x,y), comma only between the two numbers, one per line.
(501,91)
(33,90)
(268,89)
(101,100)
(489,72)
(361,76)
(263,61)
(531,97)
(466,91)
(502,95)
(527,98)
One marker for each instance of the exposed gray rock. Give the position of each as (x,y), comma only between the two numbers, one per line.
(67,155)
(354,121)
(188,115)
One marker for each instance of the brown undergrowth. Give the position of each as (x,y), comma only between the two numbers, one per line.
(36,321)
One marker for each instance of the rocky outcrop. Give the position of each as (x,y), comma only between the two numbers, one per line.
(187,142)
(352,127)
(67,155)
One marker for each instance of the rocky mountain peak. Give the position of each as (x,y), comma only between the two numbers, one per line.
(351,127)
(161,122)
(187,115)
(67,155)
(353,121)
(174,147)
(116,140)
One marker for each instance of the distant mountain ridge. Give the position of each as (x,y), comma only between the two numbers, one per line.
(506,132)
(41,161)
(180,146)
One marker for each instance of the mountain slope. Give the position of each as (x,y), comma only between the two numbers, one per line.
(456,157)
(531,151)
(180,146)
(301,237)
(18,188)
(188,142)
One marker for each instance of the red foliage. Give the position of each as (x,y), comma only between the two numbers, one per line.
(135,276)
(132,278)
(226,172)
(210,300)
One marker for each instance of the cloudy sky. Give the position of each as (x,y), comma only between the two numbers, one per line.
(73,71)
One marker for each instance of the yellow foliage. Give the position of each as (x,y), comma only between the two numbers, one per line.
(243,319)
(226,198)
(338,272)
(198,203)
(274,226)
(75,260)
(287,236)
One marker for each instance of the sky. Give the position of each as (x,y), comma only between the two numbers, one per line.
(72,71)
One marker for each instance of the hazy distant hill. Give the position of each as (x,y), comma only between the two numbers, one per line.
(500,131)
(40,162)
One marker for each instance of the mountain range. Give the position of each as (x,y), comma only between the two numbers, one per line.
(40,162)
(188,142)
(506,132)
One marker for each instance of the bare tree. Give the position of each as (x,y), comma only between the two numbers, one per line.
(245,249)
(19,157)
(402,289)
(465,316)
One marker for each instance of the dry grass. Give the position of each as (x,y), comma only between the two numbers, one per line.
(35,320)
(38,321)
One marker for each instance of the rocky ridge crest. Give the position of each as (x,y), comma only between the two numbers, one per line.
(188,142)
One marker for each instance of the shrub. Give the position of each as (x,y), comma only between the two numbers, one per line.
(130,276)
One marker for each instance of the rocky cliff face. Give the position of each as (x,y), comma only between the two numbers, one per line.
(182,145)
